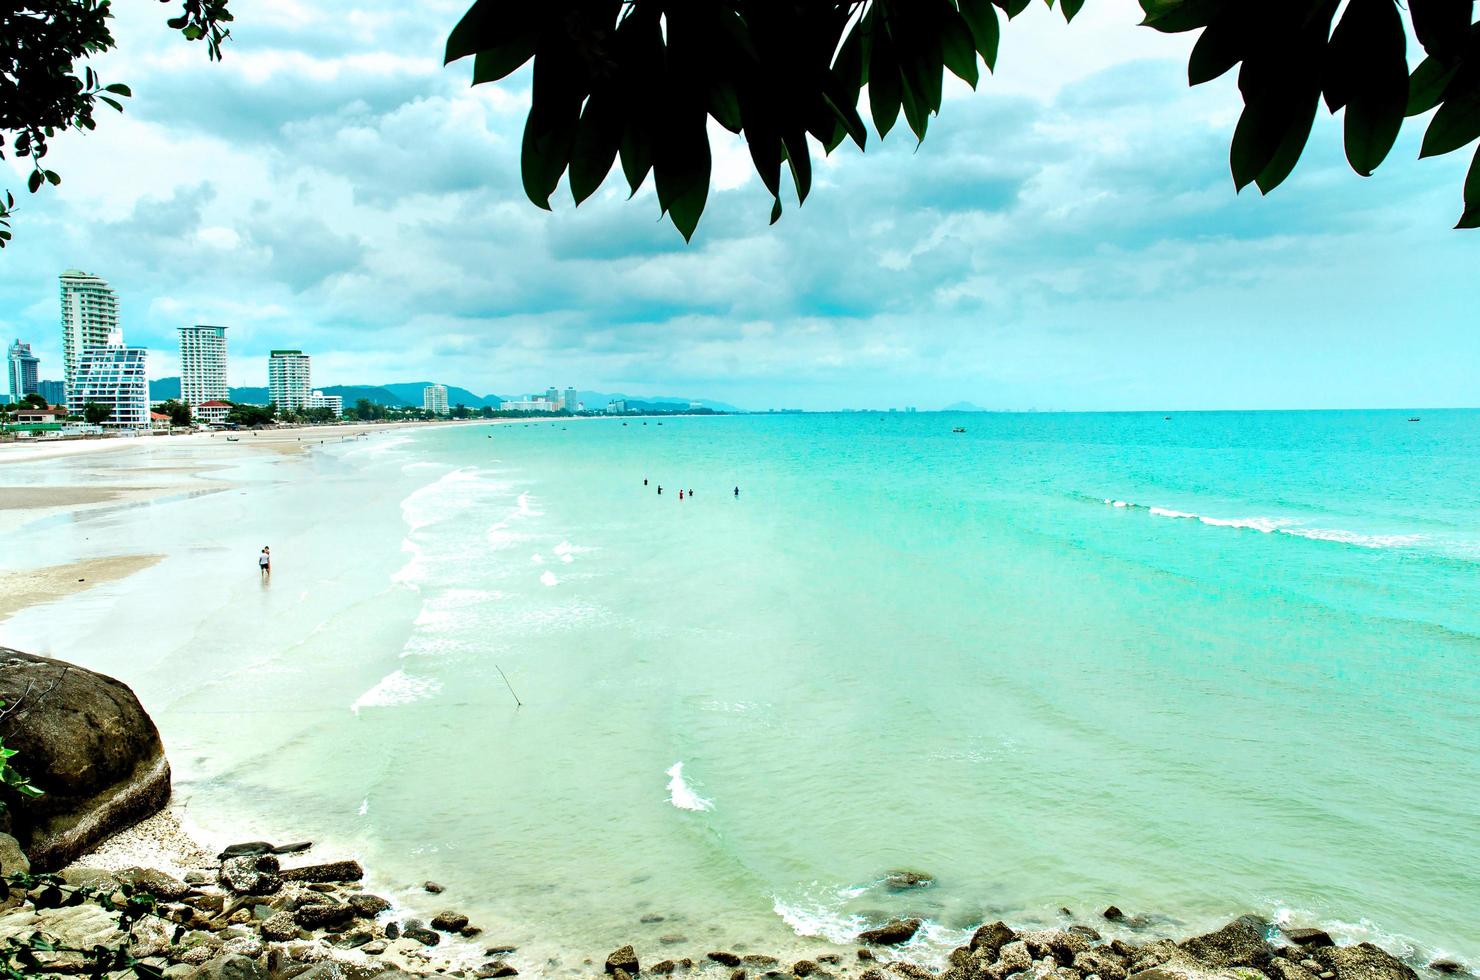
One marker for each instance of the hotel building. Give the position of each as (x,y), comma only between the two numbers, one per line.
(89,319)
(113,375)
(434,399)
(289,384)
(21,371)
(202,364)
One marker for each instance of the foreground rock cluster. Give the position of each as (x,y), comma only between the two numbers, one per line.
(1241,950)
(253,920)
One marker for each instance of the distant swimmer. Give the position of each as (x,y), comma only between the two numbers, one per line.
(737,492)
(264,562)
(644,481)
(680,495)
(660,489)
(691,493)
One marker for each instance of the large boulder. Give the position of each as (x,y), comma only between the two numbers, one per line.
(891,934)
(1362,962)
(86,742)
(1240,943)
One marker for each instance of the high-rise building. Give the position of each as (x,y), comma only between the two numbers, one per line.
(434,399)
(89,318)
(334,403)
(113,375)
(22,371)
(203,364)
(55,392)
(552,395)
(288,379)
(572,401)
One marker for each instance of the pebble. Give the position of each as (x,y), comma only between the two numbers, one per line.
(433,887)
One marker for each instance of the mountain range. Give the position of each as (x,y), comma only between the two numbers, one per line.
(408,394)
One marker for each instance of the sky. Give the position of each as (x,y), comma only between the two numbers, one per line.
(1067,237)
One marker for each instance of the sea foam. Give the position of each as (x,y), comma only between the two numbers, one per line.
(679,793)
(397,687)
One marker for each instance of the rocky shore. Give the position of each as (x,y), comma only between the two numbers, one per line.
(145,900)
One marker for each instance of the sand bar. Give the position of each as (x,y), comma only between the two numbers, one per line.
(20,590)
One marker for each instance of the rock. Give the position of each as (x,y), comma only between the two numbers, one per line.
(374,947)
(990,938)
(355,939)
(899,881)
(1014,958)
(319,916)
(873,974)
(725,959)
(894,933)
(392,931)
(155,883)
(433,887)
(248,946)
(624,959)
(500,950)
(824,958)
(672,939)
(1240,943)
(1447,966)
(910,971)
(804,968)
(95,878)
(1055,944)
(87,743)
(1281,968)
(738,975)
(251,875)
(280,928)
(496,969)
(663,967)
(262,847)
(1113,914)
(367,906)
(213,904)
(470,932)
(1102,962)
(865,955)
(333,871)
(449,921)
(758,960)
(1309,937)
(621,974)
(13,860)
(196,955)
(79,927)
(650,919)
(1088,932)
(1361,962)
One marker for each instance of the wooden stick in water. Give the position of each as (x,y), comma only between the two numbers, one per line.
(507,684)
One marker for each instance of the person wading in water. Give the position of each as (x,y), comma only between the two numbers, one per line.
(264,562)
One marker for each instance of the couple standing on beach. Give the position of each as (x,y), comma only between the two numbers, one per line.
(264,561)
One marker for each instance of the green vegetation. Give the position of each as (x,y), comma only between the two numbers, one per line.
(96,413)
(639,80)
(178,411)
(20,957)
(250,416)
(44,90)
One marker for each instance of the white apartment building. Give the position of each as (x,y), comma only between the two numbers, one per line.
(289,383)
(434,399)
(334,403)
(89,318)
(115,376)
(202,364)
(530,404)
(571,402)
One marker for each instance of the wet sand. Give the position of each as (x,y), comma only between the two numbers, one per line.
(33,586)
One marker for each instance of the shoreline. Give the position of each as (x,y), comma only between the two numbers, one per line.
(313,907)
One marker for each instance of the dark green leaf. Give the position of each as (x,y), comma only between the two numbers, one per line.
(883,77)
(958,48)
(681,169)
(800,161)
(1220,46)
(34,181)
(1427,84)
(1458,120)
(1070,8)
(113,102)
(118,88)
(1442,25)
(1175,16)
(502,61)
(1011,7)
(1291,145)
(598,137)
(776,211)
(986,33)
(1368,72)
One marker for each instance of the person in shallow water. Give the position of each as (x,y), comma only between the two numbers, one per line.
(264,562)
(680,495)
(660,489)
(737,491)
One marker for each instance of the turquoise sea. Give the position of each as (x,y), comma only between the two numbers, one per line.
(1194,666)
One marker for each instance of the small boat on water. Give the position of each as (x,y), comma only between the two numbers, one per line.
(1415,419)
(959,428)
